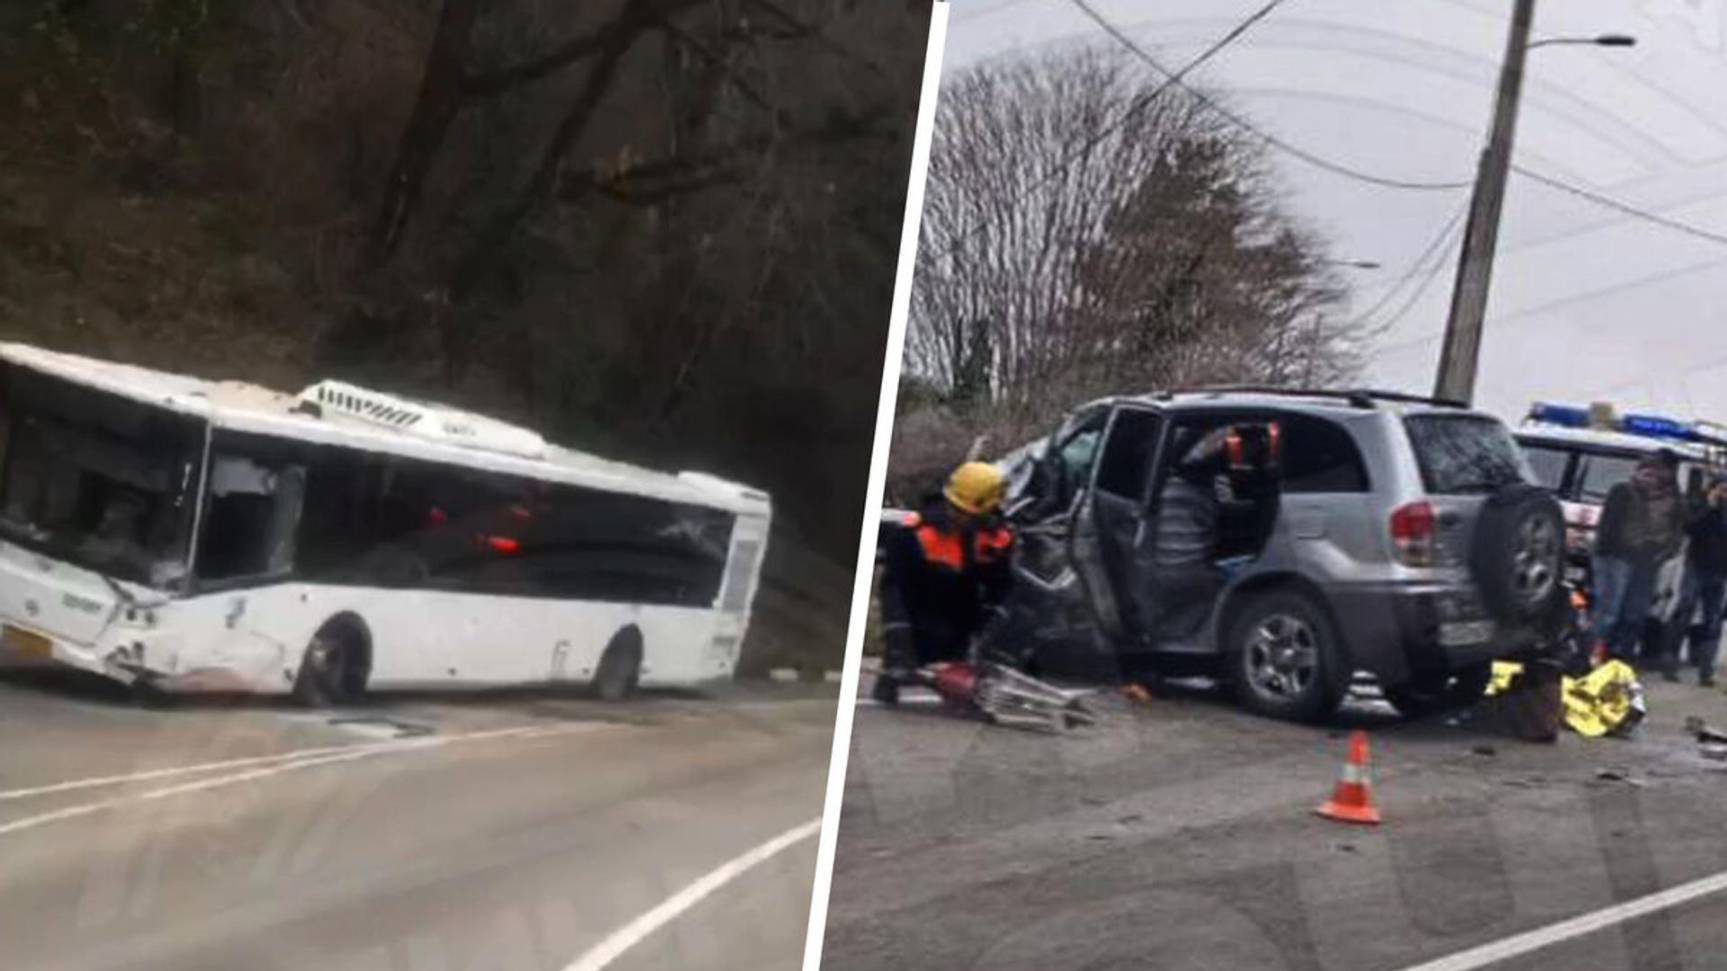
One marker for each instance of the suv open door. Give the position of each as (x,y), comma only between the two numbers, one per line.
(1109,520)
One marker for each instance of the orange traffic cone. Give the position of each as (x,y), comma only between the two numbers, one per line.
(1352,800)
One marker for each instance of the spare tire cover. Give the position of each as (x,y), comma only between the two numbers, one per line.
(1517,554)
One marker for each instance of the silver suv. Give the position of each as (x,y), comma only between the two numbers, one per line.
(1376,532)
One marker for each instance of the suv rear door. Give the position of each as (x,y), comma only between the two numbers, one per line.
(1463,458)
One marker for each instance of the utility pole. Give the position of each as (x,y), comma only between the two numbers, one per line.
(1462,350)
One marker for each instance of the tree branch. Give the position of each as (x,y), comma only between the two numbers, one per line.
(797,28)
(502,81)
(722,64)
(683,174)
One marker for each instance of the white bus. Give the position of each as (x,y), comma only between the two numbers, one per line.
(178,534)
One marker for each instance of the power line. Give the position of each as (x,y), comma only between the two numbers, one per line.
(1421,288)
(1175,78)
(1139,104)
(1621,207)
(1433,246)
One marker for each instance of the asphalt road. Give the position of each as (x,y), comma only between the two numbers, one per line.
(1180,835)
(418,833)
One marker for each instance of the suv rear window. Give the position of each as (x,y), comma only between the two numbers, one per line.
(1461,454)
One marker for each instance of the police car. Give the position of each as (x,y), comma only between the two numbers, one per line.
(1581,453)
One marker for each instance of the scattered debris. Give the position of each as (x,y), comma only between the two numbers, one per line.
(1700,728)
(1484,750)
(1714,750)
(1523,701)
(1531,782)
(1347,848)
(1618,775)
(1134,818)
(783,675)
(832,677)
(1136,693)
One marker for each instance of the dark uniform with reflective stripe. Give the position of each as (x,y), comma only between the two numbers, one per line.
(943,584)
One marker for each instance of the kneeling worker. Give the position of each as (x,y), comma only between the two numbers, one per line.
(945,578)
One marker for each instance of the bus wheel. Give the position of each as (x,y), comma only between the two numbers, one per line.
(333,669)
(620,666)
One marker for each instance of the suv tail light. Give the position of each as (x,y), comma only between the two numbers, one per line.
(1413,531)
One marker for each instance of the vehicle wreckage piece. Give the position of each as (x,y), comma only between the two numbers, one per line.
(1008,697)
(1525,701)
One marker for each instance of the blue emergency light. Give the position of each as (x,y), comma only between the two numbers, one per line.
(1562,415)
(1654,426)
(1645,426)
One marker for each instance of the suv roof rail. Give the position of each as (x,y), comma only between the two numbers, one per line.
(1419,399)
(1356,397)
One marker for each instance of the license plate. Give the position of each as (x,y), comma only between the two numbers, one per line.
(1458,635)
(25,643)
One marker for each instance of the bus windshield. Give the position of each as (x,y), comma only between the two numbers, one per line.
(95,479)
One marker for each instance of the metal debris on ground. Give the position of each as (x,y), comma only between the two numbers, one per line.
(1015,699)
(1700,728)
(1618,775)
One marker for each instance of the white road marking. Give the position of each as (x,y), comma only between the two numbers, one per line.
(168,773)
(348,754)
(633,933)
(906,700)
(1517,945)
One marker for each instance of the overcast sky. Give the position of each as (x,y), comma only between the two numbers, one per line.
(1587,304)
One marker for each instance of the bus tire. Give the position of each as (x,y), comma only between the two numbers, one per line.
(333,670)
(620,667)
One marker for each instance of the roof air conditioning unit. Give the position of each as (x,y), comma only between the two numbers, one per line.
(426,421)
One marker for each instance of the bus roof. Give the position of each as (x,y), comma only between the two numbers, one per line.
(375,423)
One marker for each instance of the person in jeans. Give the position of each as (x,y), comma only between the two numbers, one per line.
(1642,526)
(1705,584)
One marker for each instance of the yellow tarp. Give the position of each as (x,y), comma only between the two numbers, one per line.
(1602,701)
(1599,703)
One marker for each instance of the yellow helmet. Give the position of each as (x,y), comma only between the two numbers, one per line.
(976,488)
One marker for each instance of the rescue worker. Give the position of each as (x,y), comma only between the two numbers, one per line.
(1704,584)
(1642,526)
(945,579)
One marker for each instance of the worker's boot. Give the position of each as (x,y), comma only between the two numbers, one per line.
(885,691)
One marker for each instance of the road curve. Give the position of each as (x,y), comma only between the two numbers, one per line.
(502,831)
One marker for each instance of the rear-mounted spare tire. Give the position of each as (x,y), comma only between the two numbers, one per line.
(1518,554)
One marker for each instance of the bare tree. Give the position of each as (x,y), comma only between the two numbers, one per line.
(1086,231)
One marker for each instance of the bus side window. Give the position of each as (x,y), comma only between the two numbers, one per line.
(252,518)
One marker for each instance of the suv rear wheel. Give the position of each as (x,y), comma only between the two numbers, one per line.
(1518,554)
(1285,657)
(1457,690)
